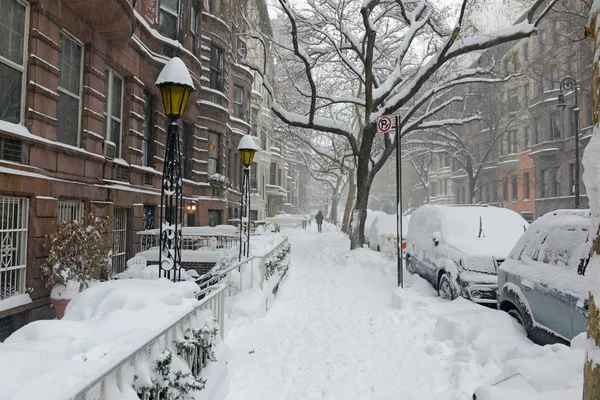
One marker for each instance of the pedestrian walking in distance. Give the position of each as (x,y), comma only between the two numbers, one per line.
(319,219)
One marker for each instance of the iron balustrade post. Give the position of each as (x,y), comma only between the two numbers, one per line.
(245,215)
(171,210)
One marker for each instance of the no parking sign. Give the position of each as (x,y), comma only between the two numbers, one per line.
(386,123)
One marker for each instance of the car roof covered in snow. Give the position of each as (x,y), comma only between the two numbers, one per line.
(386,225)
(458,227)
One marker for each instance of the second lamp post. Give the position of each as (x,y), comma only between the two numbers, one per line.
(247,149)
(570,84)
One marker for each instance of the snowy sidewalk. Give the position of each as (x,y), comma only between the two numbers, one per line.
(333,333)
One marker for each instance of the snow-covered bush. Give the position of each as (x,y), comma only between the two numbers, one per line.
(177,369)
(221,183)
(275,262)
(78,253)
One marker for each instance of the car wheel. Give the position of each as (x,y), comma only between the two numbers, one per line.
(524,321)
(445,288)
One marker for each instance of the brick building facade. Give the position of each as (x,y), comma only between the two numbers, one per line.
(82,126)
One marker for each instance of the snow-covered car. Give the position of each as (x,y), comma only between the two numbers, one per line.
(381,235)
(541,284)
(458,248)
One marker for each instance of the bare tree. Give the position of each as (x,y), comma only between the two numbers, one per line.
(379,55)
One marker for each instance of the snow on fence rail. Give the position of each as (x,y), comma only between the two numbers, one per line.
(136,364)
(257,265)
(190,241)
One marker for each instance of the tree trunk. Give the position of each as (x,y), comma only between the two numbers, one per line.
(471,189)
(591,371)
(359,213)
(349,203)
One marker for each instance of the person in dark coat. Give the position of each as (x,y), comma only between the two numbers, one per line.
(319,219)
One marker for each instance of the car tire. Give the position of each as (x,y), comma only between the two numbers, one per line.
(445,288)
(523,320)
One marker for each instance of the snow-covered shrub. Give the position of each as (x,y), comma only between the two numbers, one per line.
(177,370)
(221,183)
(275,262)
(78,252)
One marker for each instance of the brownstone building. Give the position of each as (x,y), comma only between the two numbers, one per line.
(82,126)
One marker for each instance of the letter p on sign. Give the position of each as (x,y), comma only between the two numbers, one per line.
(386,123)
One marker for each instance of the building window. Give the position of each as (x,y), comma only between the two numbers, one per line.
(253,177)
(113,90)
(69,89)
(214,159)
(70,210)
(526,137)
(589,110)
(515,192)
(10,149)
(14,212)
(513,144)
(238,102)
(209,6)
(505,187)
(554,182)
(526,51)
(273,174)
(216,68)
(536,127)
(169,18)
(194,30)
(542,41)
(448,186)
(554,126)
(13,43)
(551,77)
(148,140)
(572,179)
(543,181)
(526,95)
(513,100)
(526,186)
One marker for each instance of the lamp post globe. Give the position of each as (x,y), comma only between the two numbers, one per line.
(247,149)
(175,84)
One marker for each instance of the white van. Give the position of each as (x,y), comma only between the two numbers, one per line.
(458,248)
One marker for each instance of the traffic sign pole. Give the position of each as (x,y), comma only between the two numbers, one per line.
(399,203)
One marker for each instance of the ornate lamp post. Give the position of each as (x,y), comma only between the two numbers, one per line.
(247,149)
(175,84)
(570,84)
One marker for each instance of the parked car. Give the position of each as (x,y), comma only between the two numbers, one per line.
(382,233)
(458,248)
(542,284)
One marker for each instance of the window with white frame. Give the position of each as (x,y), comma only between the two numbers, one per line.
(113,92)
(238,101)
(217,77)
(14,212)
(13,41)
(69,89)
(169,18)
(70,210)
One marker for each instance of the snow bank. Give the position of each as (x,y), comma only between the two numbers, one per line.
(101,325)
(479,344)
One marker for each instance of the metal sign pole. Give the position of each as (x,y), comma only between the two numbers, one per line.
(399,204)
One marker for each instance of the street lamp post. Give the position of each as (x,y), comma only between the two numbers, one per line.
(570,84)
(175,84)
(247,149)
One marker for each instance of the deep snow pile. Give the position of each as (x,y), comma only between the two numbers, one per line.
(340,329)
(50,359)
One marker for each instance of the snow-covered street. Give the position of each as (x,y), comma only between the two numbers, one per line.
(339,329)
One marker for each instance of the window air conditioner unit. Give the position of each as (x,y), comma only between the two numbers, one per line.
(109,150)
